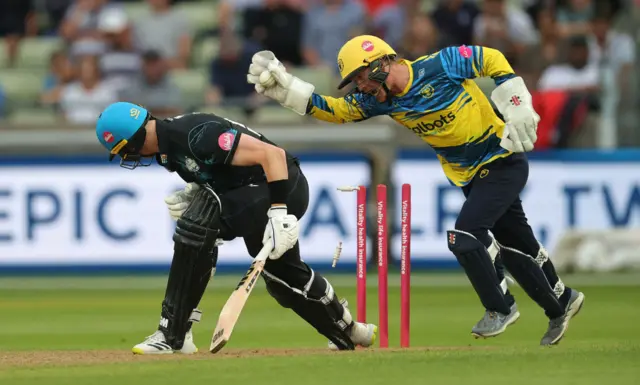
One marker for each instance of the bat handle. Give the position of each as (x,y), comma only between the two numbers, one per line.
(264,253)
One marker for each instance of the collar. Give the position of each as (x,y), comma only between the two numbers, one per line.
(164,145)
(410,82)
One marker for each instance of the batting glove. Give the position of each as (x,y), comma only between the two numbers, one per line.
(281,231)
(180,200)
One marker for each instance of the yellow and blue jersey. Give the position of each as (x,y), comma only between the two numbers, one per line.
(440,104)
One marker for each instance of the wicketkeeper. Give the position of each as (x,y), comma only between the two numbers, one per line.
(436,98)
(240,184)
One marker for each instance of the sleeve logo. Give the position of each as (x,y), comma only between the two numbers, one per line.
(465,51)
(225,141)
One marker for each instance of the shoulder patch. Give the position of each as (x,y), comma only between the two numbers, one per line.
(225,140)
(465,51)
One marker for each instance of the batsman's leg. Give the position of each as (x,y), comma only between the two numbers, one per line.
(194,260)
(296,286)
(530,265)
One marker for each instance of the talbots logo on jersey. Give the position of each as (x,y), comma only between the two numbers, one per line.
(429,127)
(225,141)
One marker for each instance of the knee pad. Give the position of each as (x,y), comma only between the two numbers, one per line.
(477,262)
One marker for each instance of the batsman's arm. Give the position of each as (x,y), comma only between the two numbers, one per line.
(470,62)
(226,144)
(334,110)
(252,152)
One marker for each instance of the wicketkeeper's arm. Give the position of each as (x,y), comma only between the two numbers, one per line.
(334,110)
(272,79)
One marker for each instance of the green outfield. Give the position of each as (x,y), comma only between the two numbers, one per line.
(80,331)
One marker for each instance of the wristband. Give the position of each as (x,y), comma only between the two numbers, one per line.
(278,191)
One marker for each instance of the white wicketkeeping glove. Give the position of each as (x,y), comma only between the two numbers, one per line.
(515,103)
(281,231)
(179,200)
(272,80)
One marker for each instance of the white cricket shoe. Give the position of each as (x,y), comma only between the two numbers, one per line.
(157,344)
(362,334)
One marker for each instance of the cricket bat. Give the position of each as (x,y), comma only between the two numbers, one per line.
(233,307)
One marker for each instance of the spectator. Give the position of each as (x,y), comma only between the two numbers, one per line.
(55,10)
(505,28)
(546,52)
(611,50)
(61,73)
(229,75)
(421,38)
(327,27)
(83,101)
(277,26)
(17,19)
(80,27)
(576,75)
(154,89)
(230,11)
(165,30)
(454,19)
(386,19)
(121,64)
(573,18)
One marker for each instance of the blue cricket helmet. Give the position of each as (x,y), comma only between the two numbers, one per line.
(120,128)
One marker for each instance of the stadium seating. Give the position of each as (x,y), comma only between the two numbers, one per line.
(21,86)
(34,53)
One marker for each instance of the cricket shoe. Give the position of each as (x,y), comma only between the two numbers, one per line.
(361,334)
(558,326)
(494,323)
(157,344)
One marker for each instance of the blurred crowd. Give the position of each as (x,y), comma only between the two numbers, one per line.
(568,51)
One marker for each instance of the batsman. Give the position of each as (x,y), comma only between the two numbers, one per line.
(480,150)
(239,185)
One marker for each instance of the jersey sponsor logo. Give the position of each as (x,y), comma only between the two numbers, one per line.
(423,127)
(465,51)
(107,136)
(191,165)
(367,46)
(225,141)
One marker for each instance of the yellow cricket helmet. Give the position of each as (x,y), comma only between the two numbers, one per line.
(360,52)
